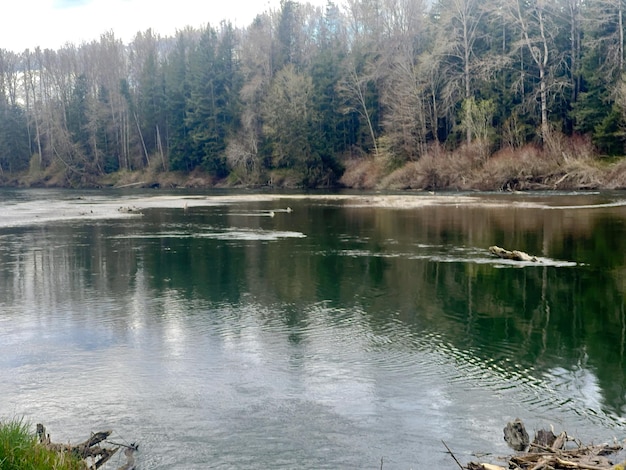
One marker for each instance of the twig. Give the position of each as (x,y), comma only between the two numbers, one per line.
(581,465)
(452,455)
(132,445)
(561,179)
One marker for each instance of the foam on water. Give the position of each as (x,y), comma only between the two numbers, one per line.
(106,206)
(457,255)
(230,233)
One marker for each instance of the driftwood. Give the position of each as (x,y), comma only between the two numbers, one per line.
(551,452)
(90,451)
(516,436)
(514,255)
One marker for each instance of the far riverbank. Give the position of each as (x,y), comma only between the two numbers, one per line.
(528,168)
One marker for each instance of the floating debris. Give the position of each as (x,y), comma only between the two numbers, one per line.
(129,210)
(514,255)
(548,451)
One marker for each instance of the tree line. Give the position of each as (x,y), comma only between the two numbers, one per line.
(302,89)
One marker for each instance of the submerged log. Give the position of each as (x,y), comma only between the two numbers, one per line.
(514,255)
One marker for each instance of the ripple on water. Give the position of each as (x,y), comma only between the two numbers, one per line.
(399,354)
(428,355)
(557,393)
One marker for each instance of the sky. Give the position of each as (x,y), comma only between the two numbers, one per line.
(53,23)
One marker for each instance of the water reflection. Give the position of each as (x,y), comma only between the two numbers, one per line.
(361,329)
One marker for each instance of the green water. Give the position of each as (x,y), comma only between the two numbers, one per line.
(312,332)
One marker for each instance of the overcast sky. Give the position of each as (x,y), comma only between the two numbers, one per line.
(52,23)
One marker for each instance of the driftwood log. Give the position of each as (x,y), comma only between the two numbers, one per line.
(516,436)
(90,451)
(548,451)
(514,255)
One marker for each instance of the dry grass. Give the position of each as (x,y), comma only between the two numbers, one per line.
(436,170)
(152,178)
(569,167)
(510,169)
(362,173)
(564,163)
(616,178)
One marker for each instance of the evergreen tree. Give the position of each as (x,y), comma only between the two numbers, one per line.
(77,115)
(601,67)
(213,104)
(177,85)
(286,49)
(105,149)
(336,129)
(151,103)
(14,142)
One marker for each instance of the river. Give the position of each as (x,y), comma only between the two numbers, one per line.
(240,330)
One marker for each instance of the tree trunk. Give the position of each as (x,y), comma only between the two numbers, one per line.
(143,142)
(540,56)
(466,73)
(621,34)
(356,87)
(545,129)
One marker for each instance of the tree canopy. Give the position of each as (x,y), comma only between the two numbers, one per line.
(303,89)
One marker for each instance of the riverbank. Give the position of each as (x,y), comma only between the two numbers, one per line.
(20,449)
(563,166)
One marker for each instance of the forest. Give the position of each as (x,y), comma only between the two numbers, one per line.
(451,94)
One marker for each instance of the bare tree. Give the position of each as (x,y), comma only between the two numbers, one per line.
(407,119)
(9,76)
(257,68)
(288,116)
(457,32)
(353,88)
(537,27)
(573,9)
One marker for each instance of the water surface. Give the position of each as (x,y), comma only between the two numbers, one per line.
(225,330)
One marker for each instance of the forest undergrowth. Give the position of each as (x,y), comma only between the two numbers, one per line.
(563,163)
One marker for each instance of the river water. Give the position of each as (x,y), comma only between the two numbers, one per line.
(343,331)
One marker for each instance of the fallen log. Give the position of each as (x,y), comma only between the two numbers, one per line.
(90,451)
(514,255)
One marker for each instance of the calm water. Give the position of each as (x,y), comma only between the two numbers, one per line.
(244,331)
